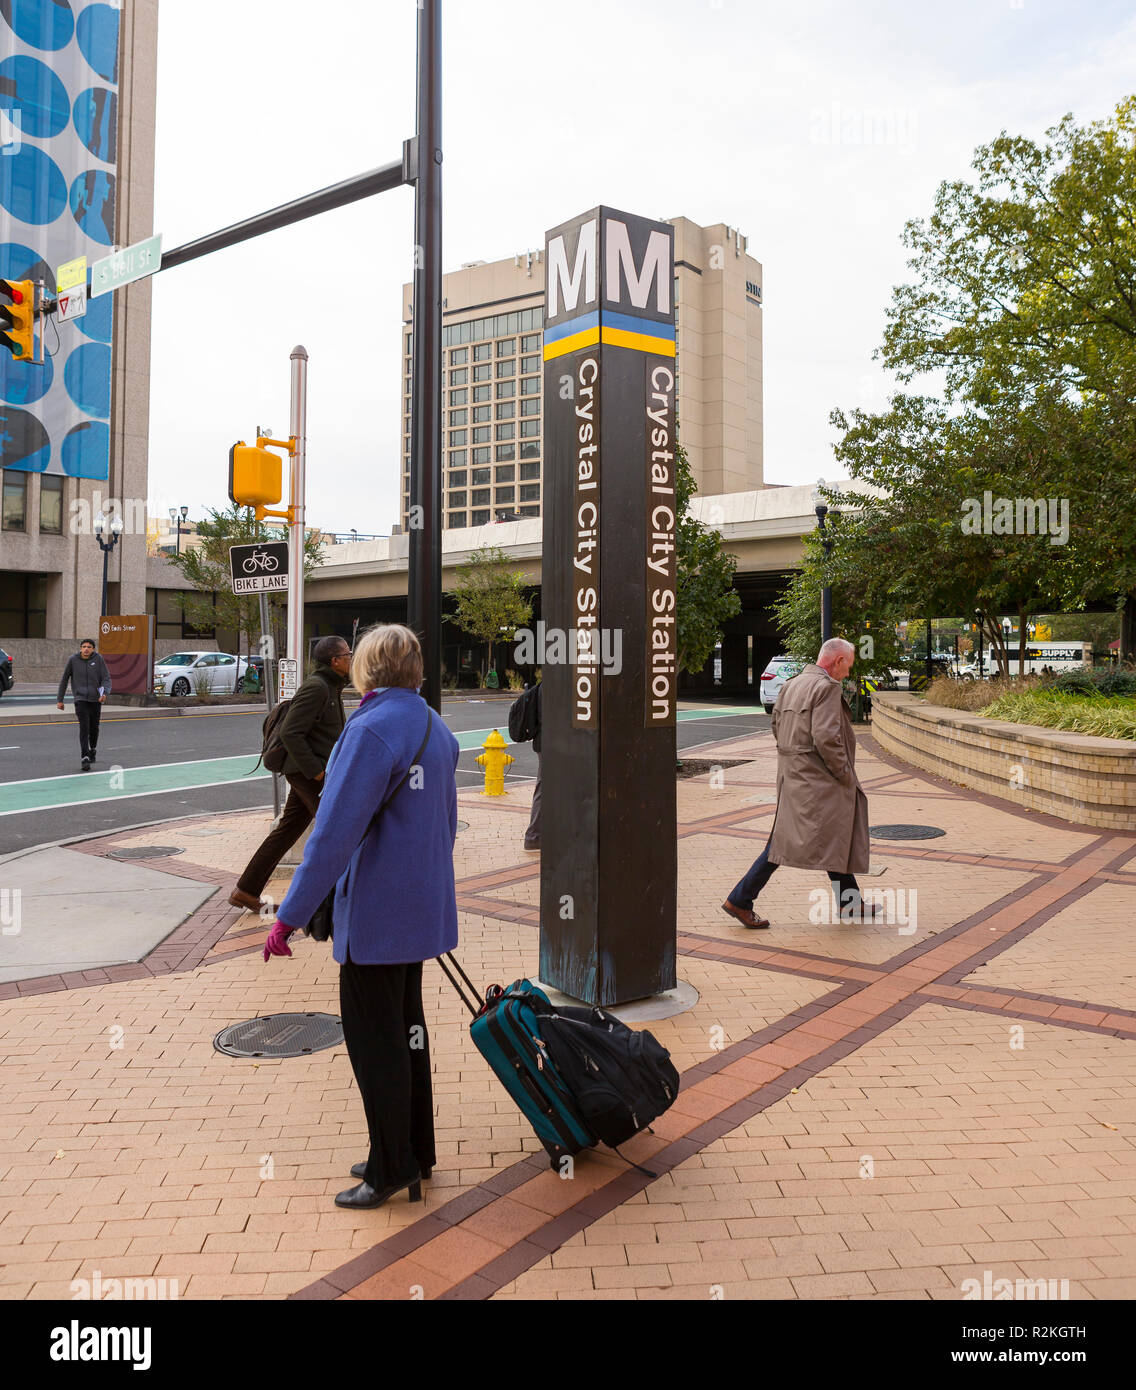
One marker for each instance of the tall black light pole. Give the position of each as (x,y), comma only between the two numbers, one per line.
(821,509)
(106,547)
(424,580)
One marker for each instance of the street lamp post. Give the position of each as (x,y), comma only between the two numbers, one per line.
(106,547)
(820,506)
(179,519)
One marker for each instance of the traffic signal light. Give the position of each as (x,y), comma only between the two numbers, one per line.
(17,320)
(255,476)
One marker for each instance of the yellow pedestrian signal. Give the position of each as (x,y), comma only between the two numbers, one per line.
(255,476)
(17,320)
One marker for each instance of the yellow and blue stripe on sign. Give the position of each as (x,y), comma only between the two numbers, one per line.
(620,330)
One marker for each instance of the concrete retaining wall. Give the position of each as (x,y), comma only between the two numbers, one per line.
(1086,780)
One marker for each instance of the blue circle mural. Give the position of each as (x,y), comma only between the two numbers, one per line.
(92,204)
(19,262)
(97,32)
(31,187)
(96,120)
(96,322)
(23,440)
(31,88)
(43,24)
(87,378)
(86,450)
(24,383)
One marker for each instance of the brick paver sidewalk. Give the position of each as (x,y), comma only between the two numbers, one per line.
(866,1112)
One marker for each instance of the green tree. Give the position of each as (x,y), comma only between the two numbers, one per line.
(488,598)
(704,583)
(206,566)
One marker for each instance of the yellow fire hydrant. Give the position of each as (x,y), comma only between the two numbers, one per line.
(494,760)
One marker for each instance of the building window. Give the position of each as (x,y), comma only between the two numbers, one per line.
(530,470)
(503,475)
(459,417)
(23,603)
(530,451)
(504,494)
(482,393)
(506,369)
(481,518)
(457,437)
(507,347)
(530,385)
(458,355)
(530,342)
(480,456)
(480,497)
(530,429)
(480,475)
(459,378)
(530,407)
(459,397)
(481,434)
(455,519)
(530,492)
(530,364)
(506,390)
(457,499)
(482,352)
(15,500)
(483,372)
(459,458)
(506,411)
(506,431)
(457,477)
(482,413)
(506,451)
(530,511)
(50,504)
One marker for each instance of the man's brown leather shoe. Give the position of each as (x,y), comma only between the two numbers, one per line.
(745,916)
(246,900)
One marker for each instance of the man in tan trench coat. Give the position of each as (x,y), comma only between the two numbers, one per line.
(821,820)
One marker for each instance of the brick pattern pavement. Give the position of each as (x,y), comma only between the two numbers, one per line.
(864,1113)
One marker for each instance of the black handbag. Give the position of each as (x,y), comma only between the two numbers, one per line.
(321,927)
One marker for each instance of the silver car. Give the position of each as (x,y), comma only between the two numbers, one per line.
(779,670)
(183,673)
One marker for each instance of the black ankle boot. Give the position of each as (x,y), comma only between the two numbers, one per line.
(365,1196)
(359,1170)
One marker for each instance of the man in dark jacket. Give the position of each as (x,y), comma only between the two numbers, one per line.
(314,721)
(90,685)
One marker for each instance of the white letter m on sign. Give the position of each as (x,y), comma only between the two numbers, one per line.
(655,267)
(559,277)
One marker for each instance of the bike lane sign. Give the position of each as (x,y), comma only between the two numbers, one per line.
(257,569)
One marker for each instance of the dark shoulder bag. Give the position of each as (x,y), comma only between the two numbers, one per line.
(320,928)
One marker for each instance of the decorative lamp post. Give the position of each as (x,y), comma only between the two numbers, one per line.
(821,507)
(115,529)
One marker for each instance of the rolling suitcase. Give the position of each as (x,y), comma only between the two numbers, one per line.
(505,1030)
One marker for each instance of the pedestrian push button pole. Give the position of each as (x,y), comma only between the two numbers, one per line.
(494,760)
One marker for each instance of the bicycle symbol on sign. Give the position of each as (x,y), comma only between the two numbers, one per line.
(260,560)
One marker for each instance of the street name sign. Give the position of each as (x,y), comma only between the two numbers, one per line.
(259,569)
(131,263)
(608,887)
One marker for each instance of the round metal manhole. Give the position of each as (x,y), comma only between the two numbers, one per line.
(280,1035)
(145,852)
(906,832)
(463,825)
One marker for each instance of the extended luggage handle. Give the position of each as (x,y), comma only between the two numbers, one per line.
(467,1000)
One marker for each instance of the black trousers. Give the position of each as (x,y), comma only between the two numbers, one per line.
(385,1032)
(298,813)
(845,887)
(88,712)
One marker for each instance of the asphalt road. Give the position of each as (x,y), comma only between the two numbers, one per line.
(154,769)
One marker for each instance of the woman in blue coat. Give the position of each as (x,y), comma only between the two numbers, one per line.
(395,906)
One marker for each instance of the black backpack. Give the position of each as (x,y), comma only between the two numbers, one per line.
(521,716)
(273,754)
(620,1079)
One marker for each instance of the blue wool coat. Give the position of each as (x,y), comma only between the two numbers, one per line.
(394,880)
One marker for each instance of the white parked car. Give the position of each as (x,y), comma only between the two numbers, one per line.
(181,673)
(779,670)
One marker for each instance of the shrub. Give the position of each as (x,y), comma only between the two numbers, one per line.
(1101,715)
(975,695)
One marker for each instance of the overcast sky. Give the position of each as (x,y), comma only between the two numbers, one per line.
(736,111)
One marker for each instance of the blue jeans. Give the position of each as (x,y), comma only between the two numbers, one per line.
(845,887)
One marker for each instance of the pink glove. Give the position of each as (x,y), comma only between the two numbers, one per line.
(276,943)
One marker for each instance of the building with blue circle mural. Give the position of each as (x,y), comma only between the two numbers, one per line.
(59,100)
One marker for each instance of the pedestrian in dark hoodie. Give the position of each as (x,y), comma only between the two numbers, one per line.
(90,685)
(314,721)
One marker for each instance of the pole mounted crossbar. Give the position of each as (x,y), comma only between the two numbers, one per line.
(337,195)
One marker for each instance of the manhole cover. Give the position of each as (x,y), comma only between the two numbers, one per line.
(463,825)
(906,832)
(145,852)
(280,1035)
